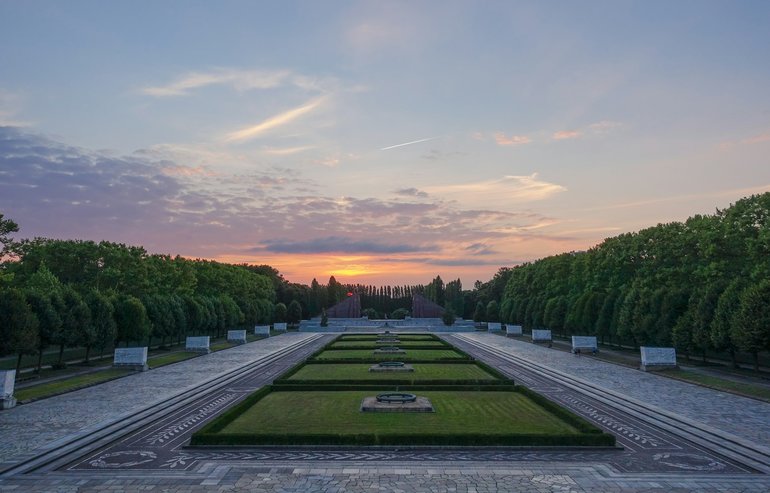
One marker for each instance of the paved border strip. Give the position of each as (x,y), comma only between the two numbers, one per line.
(56,453)
(734,447)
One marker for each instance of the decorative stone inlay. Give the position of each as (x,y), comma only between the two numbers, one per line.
(135,458)
(175,429)
(396,402)
(391,366)
(389,350)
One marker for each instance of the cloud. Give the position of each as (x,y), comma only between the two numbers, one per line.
(60,191)
(513,140)
(410,192)
(339,244)
(241,80)
(523,187)
(286,151)
(604,126)
(757,139)
(175,170)
(10,104)
(278,120)
(566,134)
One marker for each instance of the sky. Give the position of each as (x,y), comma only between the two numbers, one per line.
(380,142)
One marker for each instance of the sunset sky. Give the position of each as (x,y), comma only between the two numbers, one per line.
(381,142)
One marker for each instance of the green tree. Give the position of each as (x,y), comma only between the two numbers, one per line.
(751,330)
(480,313)
(449,315)
(493,311)
(18,325)
(280,312)
(131,319)
(49,321)
(294,312)
(102,321)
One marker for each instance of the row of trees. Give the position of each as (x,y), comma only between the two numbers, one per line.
(702,284)
(61,293)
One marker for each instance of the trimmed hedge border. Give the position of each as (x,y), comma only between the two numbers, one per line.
(469,439)
(591,436)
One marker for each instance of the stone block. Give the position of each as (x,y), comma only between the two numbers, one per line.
(199,344)
(513,330)
(237,336)
(657,358)
(7,383)
(131,357)
(541,335)
(584,343)
(280,326)
(262,330)
(494,327)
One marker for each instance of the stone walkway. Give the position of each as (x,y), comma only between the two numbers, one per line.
(741,416)
(31,426)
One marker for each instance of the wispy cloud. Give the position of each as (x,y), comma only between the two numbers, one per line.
(241,80)
(513,140)
(410,192)
(339,244)
(604,126)
(757,139)
(524,187)
(286,151)
(408,143)
(274,121)
(566,134)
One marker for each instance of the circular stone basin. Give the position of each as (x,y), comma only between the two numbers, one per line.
(396,397)
(392,364)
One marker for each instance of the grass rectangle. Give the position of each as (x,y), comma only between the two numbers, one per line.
(402,343)
(460,418)
(422,371)
(410,355)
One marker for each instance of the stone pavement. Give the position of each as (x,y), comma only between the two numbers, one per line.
(30,426)
(741,416)
(29,423)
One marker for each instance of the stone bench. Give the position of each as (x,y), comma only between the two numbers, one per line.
(131,357)
(7,383)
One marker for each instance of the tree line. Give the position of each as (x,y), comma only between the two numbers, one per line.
(699,285)
(65,293)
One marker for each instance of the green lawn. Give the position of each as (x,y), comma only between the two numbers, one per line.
(422,371)
(304,413)
(413,354)
(756,391)
(70,384)
(374,337)
(167,359)
(402,343)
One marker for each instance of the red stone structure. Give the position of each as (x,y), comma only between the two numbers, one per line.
(422,307)
(350,307)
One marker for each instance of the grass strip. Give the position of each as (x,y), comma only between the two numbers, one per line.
(69,384)
(167,359)
(746,389)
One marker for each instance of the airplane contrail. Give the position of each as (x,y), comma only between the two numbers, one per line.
(408,143)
